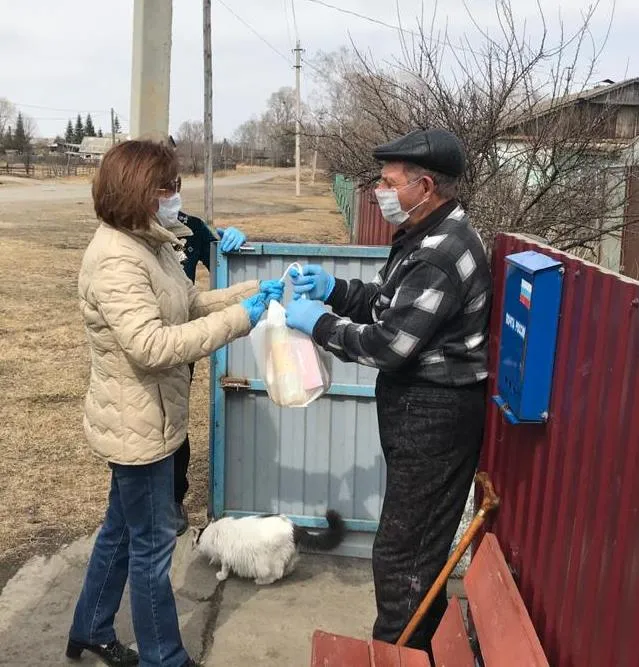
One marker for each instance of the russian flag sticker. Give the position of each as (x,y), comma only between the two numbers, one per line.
(525,295)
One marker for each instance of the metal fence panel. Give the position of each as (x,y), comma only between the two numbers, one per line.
(344,191)
(372,229)
(297,461)
(361,213)
(568,523)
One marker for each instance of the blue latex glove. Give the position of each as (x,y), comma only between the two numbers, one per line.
(255,306)
(302,314)
(231,239)
(314,282)
(272,289)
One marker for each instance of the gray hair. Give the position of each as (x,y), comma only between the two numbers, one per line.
(447,187)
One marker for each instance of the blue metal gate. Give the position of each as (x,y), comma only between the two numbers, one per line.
(298,462)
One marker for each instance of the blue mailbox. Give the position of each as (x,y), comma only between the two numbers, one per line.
(532,297)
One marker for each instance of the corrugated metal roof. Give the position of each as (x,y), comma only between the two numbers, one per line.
(547,105)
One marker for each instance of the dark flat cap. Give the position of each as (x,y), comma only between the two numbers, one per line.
(435,149)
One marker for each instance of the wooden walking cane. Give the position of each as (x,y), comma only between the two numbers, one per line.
(490,502)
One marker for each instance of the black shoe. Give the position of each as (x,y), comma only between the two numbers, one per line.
(190,663)
(182,519)
(114,653)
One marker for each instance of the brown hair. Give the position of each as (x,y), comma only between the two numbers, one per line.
(125,189)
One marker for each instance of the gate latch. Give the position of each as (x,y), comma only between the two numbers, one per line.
(236,384)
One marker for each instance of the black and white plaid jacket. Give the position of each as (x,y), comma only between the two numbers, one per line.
(424,319)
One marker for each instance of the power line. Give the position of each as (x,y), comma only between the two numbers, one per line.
(429,40)
(288,26)
(39,106)
(60,118)
(308,63)
(255,32)
(370,19)
(297,34)
(398,28)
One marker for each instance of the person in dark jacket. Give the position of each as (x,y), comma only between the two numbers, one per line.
(197,249)
(423,322)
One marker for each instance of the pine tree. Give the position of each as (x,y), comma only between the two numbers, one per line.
(89,130)
(100,133)
(116,125)
(78,133)
(20,139)
(68,135)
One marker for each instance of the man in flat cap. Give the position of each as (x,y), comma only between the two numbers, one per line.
(423,322)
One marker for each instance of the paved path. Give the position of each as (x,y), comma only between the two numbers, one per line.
(239,624)
(36,605)
(26,190)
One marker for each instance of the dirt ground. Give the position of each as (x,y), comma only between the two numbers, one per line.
(51,488)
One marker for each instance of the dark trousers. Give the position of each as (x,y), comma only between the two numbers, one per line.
(181,459)
(431,438)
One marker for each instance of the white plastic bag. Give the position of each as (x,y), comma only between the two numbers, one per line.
(294,370)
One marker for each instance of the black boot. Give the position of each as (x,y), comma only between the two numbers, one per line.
(114,653)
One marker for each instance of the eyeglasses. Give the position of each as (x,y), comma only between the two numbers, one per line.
(173,186)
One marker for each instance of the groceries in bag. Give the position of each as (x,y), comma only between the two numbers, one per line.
(294,369)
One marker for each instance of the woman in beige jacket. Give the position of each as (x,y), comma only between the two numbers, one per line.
(145,322)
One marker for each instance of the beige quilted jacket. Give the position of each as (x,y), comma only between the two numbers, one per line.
(145,323)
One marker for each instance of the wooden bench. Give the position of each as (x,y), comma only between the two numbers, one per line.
(504,629)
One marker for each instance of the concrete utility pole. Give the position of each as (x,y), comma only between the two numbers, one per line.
(150,80)
(208,115)
(298,114)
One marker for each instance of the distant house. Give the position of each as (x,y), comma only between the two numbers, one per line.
(93,148)
(611,112)
(619,101)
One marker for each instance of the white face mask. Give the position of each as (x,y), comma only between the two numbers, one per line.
(168,209)
(390,206)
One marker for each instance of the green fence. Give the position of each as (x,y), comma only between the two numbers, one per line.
(344,191)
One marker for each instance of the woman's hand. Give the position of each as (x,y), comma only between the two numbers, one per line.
(255,306)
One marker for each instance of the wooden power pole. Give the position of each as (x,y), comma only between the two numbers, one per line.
(298,113)
(208,115)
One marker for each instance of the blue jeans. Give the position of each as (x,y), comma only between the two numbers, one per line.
(136,541)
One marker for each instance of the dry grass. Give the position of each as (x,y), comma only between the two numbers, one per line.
(51,488)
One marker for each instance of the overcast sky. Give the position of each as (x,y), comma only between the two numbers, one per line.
(58,58)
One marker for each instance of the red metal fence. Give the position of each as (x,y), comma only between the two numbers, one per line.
(569,520)
(369,228)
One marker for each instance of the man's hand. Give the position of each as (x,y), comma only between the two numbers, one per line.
(230,239)
(314,282)
(302,314)
(272,289)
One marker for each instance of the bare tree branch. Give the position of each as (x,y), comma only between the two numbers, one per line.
(535,147)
